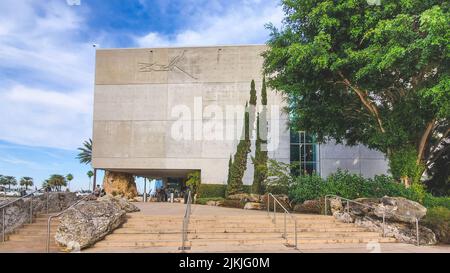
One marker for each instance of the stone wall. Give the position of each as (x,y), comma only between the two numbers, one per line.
(18,213)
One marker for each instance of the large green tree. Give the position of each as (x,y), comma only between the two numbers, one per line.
(371,74)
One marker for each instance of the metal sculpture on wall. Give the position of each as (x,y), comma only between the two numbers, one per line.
(172,66)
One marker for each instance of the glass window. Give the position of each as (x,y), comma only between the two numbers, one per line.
(304,151)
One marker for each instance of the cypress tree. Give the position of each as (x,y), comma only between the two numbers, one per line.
(239,164)
(261,157)
(264,93)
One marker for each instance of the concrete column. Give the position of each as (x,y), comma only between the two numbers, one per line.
(95,180)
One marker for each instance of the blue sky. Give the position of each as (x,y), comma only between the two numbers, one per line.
(47,65)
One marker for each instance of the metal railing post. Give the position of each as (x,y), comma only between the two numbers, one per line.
(326,205)
(268,204)
(274,211)
(3,225)
(47,202)
(295,233)
(31,210)
(285,235)
(384,224)
(417,232)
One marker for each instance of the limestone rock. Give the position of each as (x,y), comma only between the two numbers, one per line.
(121,202)
(335,205)
(211,203)
(245,197)
(282,198)
(88,222)
(253,206)
(18,213)
(309,206)
(403,232)
(400,209)
(343,217)
(400,216)
(120,184)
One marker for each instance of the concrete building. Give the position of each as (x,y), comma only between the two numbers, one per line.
(164,112)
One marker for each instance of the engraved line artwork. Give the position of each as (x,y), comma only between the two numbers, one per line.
(172,66)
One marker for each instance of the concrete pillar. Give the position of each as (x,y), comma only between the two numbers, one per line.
(145,189)
(95,180)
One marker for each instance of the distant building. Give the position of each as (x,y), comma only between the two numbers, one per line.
(144,98)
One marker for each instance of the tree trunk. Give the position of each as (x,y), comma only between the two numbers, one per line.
(424,140)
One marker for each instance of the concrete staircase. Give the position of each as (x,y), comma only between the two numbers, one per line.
(31,238)
(145,233)
(210,233)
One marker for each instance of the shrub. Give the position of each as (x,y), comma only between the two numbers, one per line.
(203,201)
(438,220)
(211,190)
(307,187)
(431,201)
(354,186)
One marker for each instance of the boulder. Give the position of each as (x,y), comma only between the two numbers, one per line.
(309,206)
(335,205)
(245,197)
(403,232)
(120,184)
(400,209)
(88,222)
(18,213)
(211,203)
(253,206)
(121,202)
(400,217)
(282,198)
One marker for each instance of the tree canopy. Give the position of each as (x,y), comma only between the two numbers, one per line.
(371,74)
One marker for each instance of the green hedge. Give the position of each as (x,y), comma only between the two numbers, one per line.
(212,190)
(354,186)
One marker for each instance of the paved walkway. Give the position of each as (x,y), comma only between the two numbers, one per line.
(177,209)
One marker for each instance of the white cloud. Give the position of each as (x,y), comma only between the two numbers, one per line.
(240,23)
(46,99)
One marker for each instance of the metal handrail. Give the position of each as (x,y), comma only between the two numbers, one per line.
(286,212)
(4,206)
(371,207)
(184,231)
(58,215)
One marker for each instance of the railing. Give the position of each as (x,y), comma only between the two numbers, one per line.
(348,201)
(184,231)
(5,206)
(58,215)
(286,213)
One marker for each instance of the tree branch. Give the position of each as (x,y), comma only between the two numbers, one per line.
(363,97)
(423,141)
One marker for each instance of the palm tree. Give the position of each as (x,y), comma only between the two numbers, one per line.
(26,181)
(90,174)
(10,180)
(85,155)
(57,181)
(69,178)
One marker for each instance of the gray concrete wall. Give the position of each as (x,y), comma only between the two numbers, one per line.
(357,159)
(136,91)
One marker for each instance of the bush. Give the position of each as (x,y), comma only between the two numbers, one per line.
(307,188)
(212,190)
(438,220)
(203,201)
(431,201)
(354,186)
